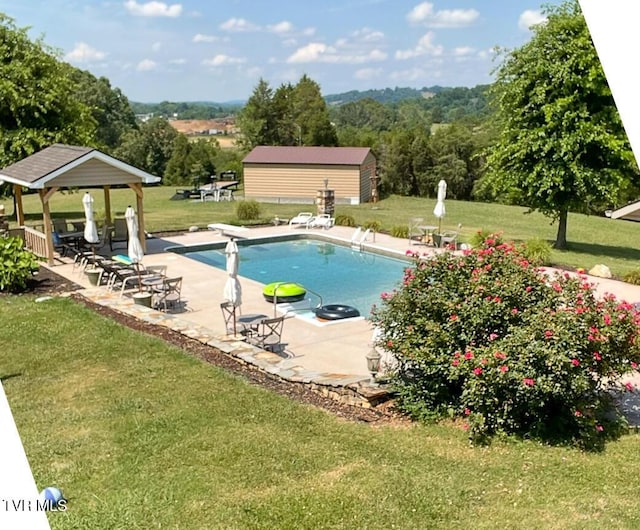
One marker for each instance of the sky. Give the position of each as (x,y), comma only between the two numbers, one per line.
(212,50)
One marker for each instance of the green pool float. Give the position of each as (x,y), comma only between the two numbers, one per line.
(284,291)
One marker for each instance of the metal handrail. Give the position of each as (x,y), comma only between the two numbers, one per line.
(275,294)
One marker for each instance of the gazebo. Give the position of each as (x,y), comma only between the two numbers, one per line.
(69,166)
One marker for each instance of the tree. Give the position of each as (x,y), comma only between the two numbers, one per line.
(311,114)
(562,147)
(109,107)
(257,120)
(149,148)
(37,103)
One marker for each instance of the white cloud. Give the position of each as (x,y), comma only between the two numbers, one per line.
(223,60)
(368,35)
(83,53)
(146,65)
(281,27)
(530,18)
(318,52)
(153,9)
(199,37)
(462,51)
(367,73)
(424,14)
(425,46)
(237,25)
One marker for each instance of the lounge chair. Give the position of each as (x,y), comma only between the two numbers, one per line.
(321,221)
(301,219)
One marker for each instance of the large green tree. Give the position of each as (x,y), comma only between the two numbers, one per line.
(109,107)
(37,103)
(150,147)
(562,147)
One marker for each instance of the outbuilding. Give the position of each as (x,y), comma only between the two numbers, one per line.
(295,174)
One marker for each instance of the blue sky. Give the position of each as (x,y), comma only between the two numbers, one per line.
(196,50)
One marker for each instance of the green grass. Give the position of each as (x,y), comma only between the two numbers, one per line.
(592,239)
(140,435)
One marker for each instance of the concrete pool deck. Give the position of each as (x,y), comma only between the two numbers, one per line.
(333,353)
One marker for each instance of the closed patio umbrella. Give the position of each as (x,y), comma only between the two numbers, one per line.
(232,289)
(134,248)
(439,211)
(90,228)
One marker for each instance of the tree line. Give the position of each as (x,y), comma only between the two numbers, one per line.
(546,134)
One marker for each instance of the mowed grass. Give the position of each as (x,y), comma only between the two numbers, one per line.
(141,435)
(592,239)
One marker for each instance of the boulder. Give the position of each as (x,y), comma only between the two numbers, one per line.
(601,271)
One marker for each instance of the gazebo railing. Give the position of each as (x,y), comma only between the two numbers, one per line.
(35,241)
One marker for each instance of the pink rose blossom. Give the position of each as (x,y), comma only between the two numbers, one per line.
(477,370)
(504,368)
(597,356)
(575,362)
(528,381)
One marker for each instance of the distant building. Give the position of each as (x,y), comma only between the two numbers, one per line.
(295,174)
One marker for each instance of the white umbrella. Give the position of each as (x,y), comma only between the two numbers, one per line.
(90,228)
(232,289)
(439,211)
(134,248)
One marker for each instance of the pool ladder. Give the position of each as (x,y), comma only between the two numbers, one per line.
(359,237)
(275,297)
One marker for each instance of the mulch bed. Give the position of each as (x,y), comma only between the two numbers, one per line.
(48,283)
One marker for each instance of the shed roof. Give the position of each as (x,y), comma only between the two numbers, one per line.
(38,170)
(630,212)
(307,155)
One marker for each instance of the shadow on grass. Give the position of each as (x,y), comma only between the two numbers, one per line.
(594,249)
(3,378)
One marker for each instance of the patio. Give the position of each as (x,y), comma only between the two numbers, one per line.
(331,357)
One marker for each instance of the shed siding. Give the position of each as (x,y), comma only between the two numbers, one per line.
(301,181)
(93,173)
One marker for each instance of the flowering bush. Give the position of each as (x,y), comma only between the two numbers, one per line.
(508,347)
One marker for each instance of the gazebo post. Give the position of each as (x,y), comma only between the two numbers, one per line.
(107,204)
(17,192)
(45,195)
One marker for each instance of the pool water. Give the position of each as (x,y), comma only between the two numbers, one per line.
(337,273)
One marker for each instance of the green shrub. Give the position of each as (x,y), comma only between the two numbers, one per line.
(345,220)
(632,277)
(478,239)
(17,265)
(488,337)
(400,231)
(248,210)
(373,225)
(537,251)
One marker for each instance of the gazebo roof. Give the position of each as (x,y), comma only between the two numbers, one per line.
(70,165)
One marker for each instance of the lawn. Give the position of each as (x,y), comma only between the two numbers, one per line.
(139,434)
(592,239)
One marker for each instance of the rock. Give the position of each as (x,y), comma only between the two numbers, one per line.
(193,229)
(601,271)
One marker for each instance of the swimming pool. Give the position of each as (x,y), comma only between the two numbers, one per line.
(339,274)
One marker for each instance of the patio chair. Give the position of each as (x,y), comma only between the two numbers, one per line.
(268,334)
(449,238)
(321,221)
(245,324)
(416,234)
(168,293)
(301,219)
(120,233)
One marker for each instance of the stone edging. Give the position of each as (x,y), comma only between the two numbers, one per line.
(349,389)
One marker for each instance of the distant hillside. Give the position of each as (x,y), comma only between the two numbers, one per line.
(384,95)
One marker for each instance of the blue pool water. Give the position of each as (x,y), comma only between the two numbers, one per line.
(339,274)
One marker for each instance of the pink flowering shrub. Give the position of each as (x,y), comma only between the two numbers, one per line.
(490,338)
